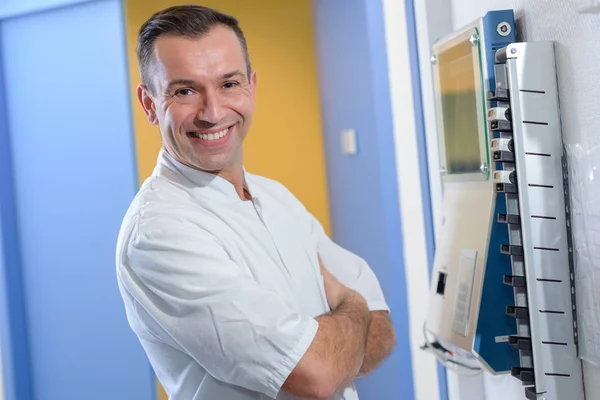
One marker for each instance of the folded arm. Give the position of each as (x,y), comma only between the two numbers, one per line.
(336,354)
(381,340)
(354,272)
(238,331)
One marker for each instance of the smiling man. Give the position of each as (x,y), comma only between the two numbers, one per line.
(233,289)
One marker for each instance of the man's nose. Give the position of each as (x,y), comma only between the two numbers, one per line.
(211,110)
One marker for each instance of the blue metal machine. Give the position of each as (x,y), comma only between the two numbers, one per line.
(468,299)
(502,293)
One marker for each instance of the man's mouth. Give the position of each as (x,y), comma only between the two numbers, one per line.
(210,136)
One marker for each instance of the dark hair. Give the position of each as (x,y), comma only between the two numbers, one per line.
(189,21)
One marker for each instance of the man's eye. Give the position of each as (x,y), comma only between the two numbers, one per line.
(229,85)
(183,92)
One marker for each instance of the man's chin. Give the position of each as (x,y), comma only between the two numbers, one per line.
(214,166)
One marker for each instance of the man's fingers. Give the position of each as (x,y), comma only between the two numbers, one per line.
(321,264)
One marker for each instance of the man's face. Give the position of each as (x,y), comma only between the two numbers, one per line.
(202,100)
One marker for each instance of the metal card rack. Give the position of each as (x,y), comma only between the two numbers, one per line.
(532,173)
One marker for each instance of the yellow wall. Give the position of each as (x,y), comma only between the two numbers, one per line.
(285,141)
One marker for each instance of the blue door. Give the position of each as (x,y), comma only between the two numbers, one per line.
(68,175)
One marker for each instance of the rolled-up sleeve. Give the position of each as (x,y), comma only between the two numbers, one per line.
(214,311)
(350,269)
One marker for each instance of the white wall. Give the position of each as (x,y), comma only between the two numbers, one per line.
(425,379)
(577,40)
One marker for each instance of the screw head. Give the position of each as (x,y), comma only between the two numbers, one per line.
(513,50)
(433,60)
(484,168)
(504,28)
(474,40)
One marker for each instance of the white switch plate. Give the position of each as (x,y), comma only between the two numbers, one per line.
(349,142)
(589,6)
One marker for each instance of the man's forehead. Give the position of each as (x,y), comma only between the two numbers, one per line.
(219,45)
(207,57)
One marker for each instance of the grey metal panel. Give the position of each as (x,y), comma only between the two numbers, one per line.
(551,296)
(544,205)
(546,229)
(557,369)
(537,172)
(468,210)
(535,142)
(549,259)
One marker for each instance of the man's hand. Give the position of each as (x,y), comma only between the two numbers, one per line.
(336,354)
(334,290)
(381,340)
(381,337)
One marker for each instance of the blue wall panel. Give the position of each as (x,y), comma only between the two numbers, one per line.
(14,8)
(13,326)
(70,127)
(363,189)
(423,164)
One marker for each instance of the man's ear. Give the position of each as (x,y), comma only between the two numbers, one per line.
(253,82)
(147,103)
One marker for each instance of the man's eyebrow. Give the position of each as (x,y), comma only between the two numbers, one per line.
(180,82)
(232,74)
(191,82)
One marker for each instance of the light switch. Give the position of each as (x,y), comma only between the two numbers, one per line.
(589,6)
(349,142)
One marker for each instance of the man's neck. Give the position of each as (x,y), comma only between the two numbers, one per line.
(233,173)
(235,176)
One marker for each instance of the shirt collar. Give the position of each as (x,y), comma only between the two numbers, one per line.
(209,185)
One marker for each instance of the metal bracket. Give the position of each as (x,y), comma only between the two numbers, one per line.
(544,231)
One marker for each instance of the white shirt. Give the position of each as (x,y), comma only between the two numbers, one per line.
(223,293)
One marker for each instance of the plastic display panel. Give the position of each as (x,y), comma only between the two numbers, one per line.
(460,104)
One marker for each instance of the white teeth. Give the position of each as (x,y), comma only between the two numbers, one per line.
(212,136)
